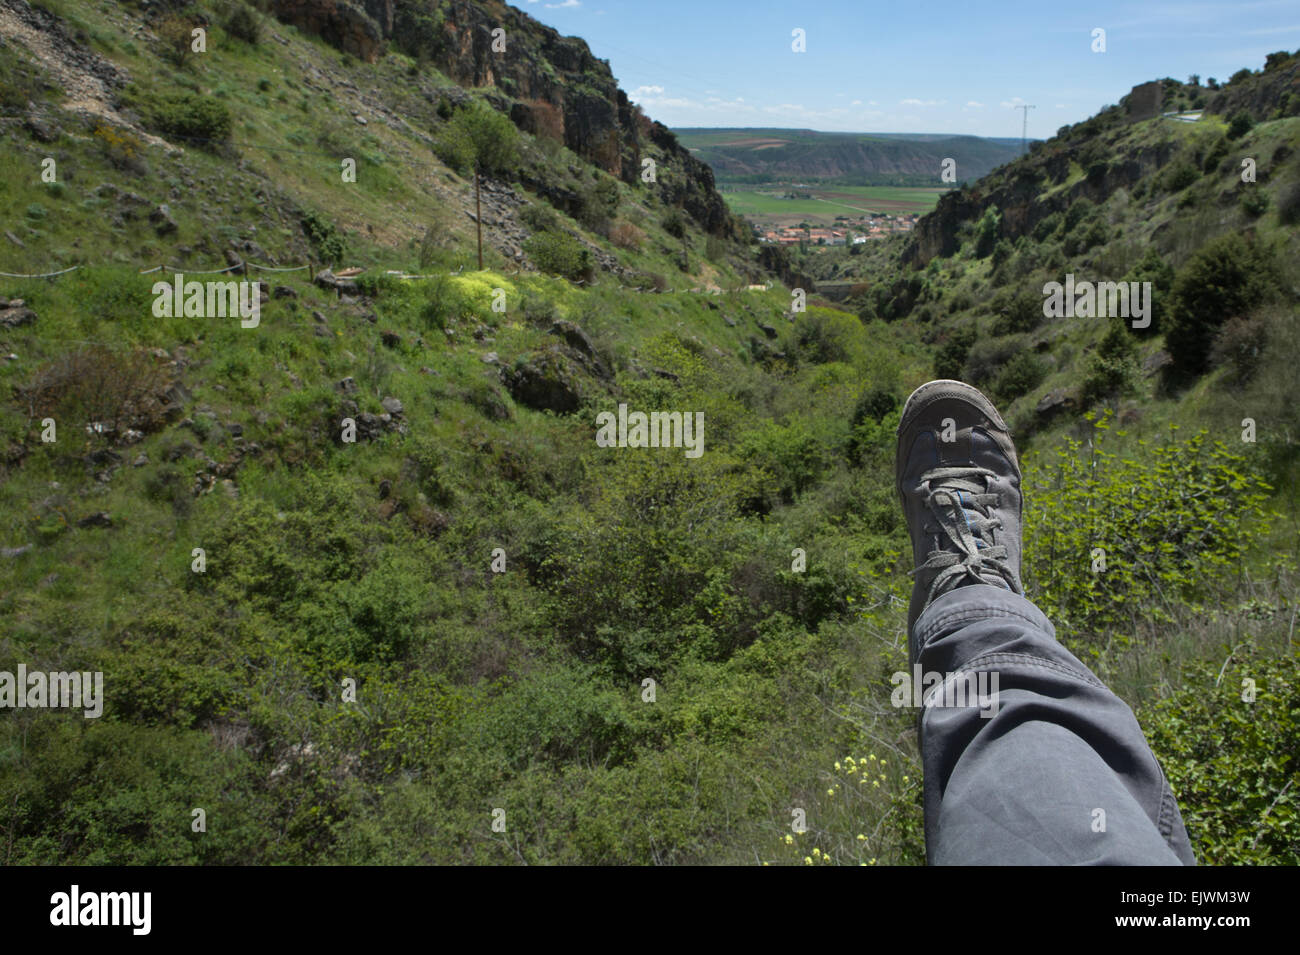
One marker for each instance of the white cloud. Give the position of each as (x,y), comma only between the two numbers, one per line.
(642,91)
(1013,102)
(921,102)
(974,105)
(856,102)
(1060,106)
(566,3)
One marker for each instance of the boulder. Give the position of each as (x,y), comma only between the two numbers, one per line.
(545,381)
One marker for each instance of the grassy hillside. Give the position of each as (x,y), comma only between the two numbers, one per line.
(372,650)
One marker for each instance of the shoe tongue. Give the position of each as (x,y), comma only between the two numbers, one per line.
(957,452)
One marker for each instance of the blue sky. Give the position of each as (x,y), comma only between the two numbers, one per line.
(930,67)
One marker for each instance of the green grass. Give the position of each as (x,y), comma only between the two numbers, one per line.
(832,201)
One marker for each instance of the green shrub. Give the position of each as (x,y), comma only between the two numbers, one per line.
(599,203)
(1225,278)
(1048,226)
(1241,124)
(243,23)
(1021,374)
(1113,370)
(1254,202)
(987,356)
(1216,154)
(1288,207)
(951,358)
(190,116)
(1240,344)
(1160,548)
(325,238)
(986,232)
(1016,312)
(1178,175)
(1232,762)
(1079,210)
(559,254)
(540,218)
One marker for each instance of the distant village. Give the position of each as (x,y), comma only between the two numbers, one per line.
(847,230)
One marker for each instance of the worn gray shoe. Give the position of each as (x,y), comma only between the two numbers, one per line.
(959,482)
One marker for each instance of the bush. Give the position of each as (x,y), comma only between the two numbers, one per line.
(1090,236)
(324,237)
(540,218)
(190,116)
(1001,253)
(1225,278)
(951,358)
(119,389)
(986,232)
(1254,202)
(626,236)
(1017,312)
(1241,124)
(1215,155)
(559,254)
(175,38)
(986,357)
(598,203)
(674,223)
(1240,344)
(1288,207)
(1178,175)
(1159,548)
(1047,227)
(1023,373)
(1113,370)
(1232,762)
(1079,210)
(243,23)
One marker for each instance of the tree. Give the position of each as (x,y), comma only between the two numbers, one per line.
(1226,278)
(477,137)
(1241,124)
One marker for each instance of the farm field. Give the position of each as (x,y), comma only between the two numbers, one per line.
(766,205)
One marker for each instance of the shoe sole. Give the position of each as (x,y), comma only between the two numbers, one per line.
(926,395)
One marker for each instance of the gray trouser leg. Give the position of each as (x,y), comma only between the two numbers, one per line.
(1056,771)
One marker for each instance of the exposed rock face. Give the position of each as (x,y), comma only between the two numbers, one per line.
(1144,101)
(344,25)
(559,88)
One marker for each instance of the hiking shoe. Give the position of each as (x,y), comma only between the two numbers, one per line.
(959,482)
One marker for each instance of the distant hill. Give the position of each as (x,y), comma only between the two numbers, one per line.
(867,159)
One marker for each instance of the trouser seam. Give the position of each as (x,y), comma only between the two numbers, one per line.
(974,613)
(1028,659)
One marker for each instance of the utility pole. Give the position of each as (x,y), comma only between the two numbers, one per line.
(1024,129)
(478,216)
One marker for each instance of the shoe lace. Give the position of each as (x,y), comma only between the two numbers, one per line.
(959,499)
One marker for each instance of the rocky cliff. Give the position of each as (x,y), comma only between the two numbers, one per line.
(549,83)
